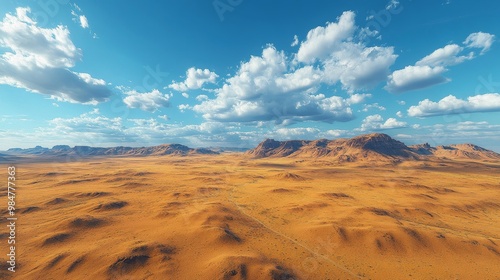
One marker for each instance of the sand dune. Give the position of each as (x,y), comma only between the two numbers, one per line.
(289,176)
(233,217)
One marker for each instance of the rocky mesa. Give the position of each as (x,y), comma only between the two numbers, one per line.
(368,147)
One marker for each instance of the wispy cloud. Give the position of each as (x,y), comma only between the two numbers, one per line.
(79,17)
(429,70)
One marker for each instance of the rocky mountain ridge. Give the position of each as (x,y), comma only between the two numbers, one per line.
(85,151)
(375,146)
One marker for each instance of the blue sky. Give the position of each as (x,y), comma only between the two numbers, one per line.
(234,72)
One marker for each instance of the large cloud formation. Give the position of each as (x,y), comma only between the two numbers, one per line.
(284,89)
(39,60)
(354,64)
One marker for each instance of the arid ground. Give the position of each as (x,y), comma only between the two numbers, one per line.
(231,217)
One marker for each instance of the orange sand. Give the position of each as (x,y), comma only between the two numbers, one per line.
(231,217)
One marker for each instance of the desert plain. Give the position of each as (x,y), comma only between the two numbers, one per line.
(229,216)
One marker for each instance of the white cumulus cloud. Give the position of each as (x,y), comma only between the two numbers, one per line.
(343,57)
(184,107)
(39,60)
(367,107)
(195,79)
(415,77)
(446,56)
(480,40)
(282,89)
(296,133)
(322,41)
(429,70)
(452,105)
(376,122)
(358,67)
(264,89)
(148,101)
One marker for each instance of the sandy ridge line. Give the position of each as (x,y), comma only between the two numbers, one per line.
(458,232)
(285,236)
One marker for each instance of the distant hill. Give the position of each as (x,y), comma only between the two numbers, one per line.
(228,149)
(368,147)
(38,150)
(87,151)
(272,148)
(468,151)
